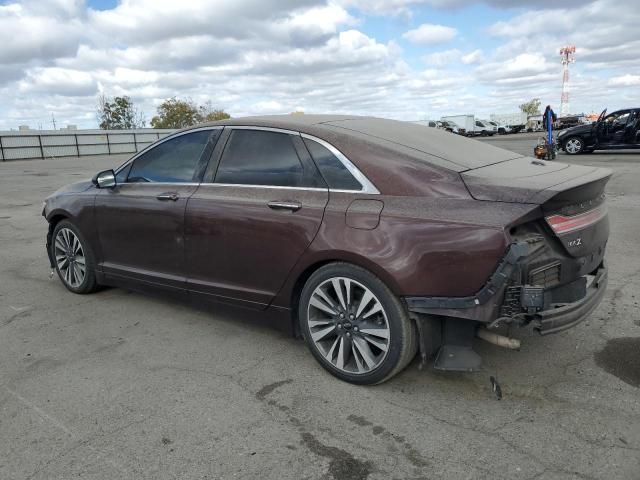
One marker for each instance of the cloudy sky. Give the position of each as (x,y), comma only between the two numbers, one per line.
(404,59)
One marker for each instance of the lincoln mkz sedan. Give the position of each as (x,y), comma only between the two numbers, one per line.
(373,239)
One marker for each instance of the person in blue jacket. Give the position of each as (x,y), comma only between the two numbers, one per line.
(548,119)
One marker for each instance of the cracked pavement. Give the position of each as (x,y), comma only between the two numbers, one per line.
(121,385)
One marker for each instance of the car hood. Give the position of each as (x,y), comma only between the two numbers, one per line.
(75,187)
(528,180)
(576,129)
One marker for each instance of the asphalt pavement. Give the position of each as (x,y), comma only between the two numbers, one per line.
(118,385)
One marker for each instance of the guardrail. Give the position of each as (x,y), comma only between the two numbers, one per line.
(41,144)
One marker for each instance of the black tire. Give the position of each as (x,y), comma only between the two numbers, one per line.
(573,146)
(88,283)
(402,336)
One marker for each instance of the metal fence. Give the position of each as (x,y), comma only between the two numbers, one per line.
(41,144)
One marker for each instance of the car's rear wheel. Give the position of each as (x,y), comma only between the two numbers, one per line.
(354,325)
(73,258)
(573,146)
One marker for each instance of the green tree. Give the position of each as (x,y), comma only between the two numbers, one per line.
(208,113)
(118,113)
(532,107)
(175,113)
(178,113)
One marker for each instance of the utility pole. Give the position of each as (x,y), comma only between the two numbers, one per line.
(53,121)
(566,57)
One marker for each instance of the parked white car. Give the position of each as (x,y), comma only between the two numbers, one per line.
(500,129)
(444,125)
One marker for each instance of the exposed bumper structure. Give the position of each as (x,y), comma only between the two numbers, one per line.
(566,316)
(547,310)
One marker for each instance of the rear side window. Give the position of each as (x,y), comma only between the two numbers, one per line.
(257,157)
(173,161)
(333,170)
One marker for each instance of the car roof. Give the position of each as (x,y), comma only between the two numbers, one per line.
(433,146)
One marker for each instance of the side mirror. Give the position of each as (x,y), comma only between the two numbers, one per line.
(105,179)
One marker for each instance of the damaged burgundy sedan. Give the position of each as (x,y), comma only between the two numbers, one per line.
(376,239)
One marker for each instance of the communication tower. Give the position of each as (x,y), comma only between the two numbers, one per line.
(567,56)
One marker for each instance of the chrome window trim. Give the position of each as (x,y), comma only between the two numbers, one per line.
(367,186)
(238,185)
(160,141)
(310,189)
(161,184)
(266,129)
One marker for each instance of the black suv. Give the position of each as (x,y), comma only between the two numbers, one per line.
(617,130)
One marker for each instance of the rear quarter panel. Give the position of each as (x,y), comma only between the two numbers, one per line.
(421,246)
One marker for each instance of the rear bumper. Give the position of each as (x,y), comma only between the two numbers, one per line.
(566,316)
(547,310)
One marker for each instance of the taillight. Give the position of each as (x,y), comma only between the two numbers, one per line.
(564,224)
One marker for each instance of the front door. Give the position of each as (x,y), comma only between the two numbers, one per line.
(248,225)
(141,220)
(613,128)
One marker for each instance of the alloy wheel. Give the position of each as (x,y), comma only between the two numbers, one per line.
(348,325)
(573,145)
(70,258)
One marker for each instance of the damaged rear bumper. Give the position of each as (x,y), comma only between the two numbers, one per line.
(568,315)
(547,310)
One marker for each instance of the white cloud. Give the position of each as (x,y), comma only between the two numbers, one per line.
(27,34)
(403,7)
(277,56)
(473,57)
(625,81)
(443,58)
(431,34)
(58,81)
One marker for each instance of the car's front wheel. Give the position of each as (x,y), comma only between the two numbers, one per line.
(354,325)
(573,145)
(73,257)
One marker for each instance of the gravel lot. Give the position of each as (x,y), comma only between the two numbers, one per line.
(120,385)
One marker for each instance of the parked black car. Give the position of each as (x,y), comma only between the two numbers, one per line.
(618,130)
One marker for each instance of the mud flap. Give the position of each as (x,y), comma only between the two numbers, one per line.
(429,336)
(49,249)
(456,353)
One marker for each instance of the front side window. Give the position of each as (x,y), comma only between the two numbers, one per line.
(337,176)
(173,161)
(618,118)
(258,157)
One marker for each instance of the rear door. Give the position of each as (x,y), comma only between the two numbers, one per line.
(258,210)
(632,130)
(141,221)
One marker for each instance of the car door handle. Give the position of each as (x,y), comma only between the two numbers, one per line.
(168,196)
(277,205)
